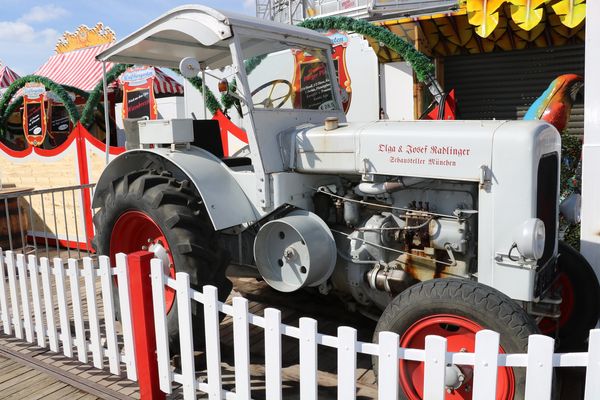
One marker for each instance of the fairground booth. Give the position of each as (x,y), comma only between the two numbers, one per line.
(53,125)
(499,56)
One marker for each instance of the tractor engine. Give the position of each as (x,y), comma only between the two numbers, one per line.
(398,232)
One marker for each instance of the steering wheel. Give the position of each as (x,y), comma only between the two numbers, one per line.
(268,101)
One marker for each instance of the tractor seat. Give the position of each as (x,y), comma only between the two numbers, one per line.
(207,135)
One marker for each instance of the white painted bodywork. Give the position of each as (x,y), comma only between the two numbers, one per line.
(508,151)
(396,90)
(590,194)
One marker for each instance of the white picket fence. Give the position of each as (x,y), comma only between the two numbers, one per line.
(21,293)
(539,361)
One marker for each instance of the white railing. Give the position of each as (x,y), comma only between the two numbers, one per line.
(540,360)
(35,305)
(42,302)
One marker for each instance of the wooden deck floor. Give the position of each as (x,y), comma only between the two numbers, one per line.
(22,382)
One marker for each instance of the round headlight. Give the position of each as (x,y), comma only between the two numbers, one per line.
(530,239)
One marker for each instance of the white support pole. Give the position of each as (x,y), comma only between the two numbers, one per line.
(204,91)
(590,193)
(106,111)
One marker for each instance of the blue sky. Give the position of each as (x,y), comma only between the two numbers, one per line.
(29,29)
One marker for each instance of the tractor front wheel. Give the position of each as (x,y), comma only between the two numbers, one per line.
(146,210)
(457,309)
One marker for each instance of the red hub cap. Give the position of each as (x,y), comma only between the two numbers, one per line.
(547,325)
(460,334)
(135,231)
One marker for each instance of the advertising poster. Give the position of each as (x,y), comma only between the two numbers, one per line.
(34,114)
(138,93)
(310,78)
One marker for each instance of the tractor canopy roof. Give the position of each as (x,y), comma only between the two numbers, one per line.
(203,33)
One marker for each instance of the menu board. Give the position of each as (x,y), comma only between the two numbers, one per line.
(315,87)
(35,125)
(138,103)
(59,120)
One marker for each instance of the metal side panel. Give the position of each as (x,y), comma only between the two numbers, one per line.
(226,203)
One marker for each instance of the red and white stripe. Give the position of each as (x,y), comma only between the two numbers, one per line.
(7,76)
(164,84)
(78,68)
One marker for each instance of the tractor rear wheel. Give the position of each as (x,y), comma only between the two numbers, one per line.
(580,306)
(457,309)
(146,210)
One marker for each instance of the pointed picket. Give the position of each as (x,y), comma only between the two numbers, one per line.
(308,359)
(106,281)
(80,342)
(125,308)
(273,354)
(213,344)
(241,347)
(538,381)
(49,304)
(14,295)
(160,325)
(387,384)
(346,357)
(186,343)
(24,286)
(61,297)
(89,274)
(434,385)
(39,329)
(485,371)
(6,325)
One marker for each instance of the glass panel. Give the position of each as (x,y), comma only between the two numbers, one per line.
(286,76)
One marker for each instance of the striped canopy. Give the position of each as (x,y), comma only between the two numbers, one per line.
(7,76)
(79,68)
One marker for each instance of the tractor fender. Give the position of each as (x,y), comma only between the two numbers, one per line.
(225,201)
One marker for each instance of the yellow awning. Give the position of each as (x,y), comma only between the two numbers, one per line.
(505,26)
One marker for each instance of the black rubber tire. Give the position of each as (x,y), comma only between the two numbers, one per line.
(573,335)
(181,215)
(481,304)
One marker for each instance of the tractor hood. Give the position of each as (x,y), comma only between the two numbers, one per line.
(433,149)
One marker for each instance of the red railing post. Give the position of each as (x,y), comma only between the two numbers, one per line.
(142,316)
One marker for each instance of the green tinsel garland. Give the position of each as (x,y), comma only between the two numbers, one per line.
(419,62)
(87,115)
(49,84)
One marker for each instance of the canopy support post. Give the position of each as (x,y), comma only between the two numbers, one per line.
(106,110)
(204,91)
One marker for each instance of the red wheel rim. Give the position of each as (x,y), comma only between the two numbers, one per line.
(460,334)
(548,325)
(135,231)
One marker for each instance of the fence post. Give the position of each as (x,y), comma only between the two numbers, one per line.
(142,315)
